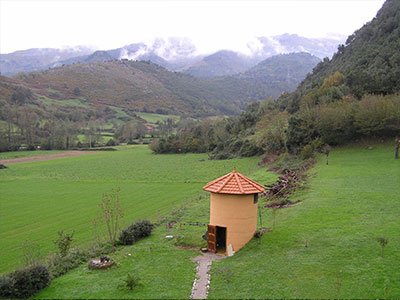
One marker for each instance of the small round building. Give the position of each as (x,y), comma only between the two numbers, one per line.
(233,212)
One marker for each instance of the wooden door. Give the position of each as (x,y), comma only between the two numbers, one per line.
(212,238)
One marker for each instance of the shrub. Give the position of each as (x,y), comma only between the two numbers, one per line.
(307,152)
(6,287)
(111,142)
(130,281)
(63,242)
(221,156)
(25,282)
(249,149)
(59,265)
(135,232)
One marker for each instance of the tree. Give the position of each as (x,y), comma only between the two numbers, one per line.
(111,212)
(77,91)
(92,135)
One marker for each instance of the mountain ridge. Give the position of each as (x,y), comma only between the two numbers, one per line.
(174,54)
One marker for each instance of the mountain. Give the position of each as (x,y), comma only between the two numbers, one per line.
(219,64)
(368,63)
(229,63)
(281,72)
(173,54)
(145,86)
(288,43)
(37,59)
(139,86)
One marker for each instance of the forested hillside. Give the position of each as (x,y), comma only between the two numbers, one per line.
(369,62)
(354,95)
(219,64)
(342,99)
(66,101)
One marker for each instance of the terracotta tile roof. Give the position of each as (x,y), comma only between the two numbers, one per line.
(234,183)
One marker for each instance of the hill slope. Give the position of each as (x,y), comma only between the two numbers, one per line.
(37,59)
(281,72)
(369,61)
(144,86)
(141,86)
(219,64)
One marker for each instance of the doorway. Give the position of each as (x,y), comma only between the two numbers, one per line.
(221,239)
(216,239)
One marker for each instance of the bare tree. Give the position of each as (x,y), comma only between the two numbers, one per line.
(111,212)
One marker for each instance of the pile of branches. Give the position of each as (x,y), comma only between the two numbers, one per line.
(284,186)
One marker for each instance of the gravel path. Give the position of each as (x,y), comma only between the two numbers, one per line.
(202,282)
(45,157)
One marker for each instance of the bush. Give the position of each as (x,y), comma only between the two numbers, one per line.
(135,232)
(111,142)
(307,152)
(249,149)
(130,282)
(25,282)
(221,156)
(60,265)
(6,287)
(63,242)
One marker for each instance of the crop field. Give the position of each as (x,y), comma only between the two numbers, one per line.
(38,199)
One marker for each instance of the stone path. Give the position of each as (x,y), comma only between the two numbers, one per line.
(201,283)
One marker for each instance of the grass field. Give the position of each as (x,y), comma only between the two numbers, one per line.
(69,102)
(20,154)
(153,118)
(38,199)
(347,206)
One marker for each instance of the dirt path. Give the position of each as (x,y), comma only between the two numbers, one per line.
(45,157)
(202,282)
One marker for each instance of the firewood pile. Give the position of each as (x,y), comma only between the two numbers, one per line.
(283,186)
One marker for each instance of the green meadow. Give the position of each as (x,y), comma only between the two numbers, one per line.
(325,247)
(345,207)
(152,118)
(21,154)
(38,199)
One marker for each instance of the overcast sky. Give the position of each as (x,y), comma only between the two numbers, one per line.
(211,25)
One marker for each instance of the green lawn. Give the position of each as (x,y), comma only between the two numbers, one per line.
(347,206)
(38,199)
